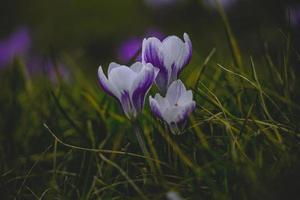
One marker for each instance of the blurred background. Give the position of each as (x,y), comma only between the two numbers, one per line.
(96,32)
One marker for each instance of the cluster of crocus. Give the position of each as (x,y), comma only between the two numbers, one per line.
(162,61)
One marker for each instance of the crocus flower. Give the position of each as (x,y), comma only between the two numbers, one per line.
(169,56)
(18,43)
(175,107)
(128,84)
(293,15)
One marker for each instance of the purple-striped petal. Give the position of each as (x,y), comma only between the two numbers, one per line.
(127,105)
(155,108)
(186,111)
(151,54)
(142,85)
(105,84)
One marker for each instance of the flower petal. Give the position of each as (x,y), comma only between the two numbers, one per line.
(151,53)
(185,98)
(137,67)
(162,102)
(172,114)
(141,86)
(122,78)
(105,84)
(189,48)
(178,114)
(112,66)
(127,105)
(175,90)
(155,107)
(174,51)
(186,111)
(176,55)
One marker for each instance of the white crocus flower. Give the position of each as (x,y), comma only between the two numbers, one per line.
(175,107)
(129,85)
(169,56)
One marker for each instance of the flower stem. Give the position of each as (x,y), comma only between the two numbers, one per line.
(143,146)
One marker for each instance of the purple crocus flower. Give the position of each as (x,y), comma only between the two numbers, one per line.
(17,44)
(37,65)
(293,15)
(128,84)
(175,107)
(169,56)
(130,48)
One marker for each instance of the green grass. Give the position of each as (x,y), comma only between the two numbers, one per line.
(69,140)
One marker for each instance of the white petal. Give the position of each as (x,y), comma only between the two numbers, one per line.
(174,52)
(112,66)
(137,67)
(122,78)
(162,102)
(189,48)
(175,90)
(185,98)
(171,114)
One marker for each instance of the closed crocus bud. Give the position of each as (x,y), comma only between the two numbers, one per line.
(175,107)
(169,56)
(128,84)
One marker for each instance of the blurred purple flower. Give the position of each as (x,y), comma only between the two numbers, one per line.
(55,70)
(175,108)
(130,48)
(293,15)
(129,85)
(169,56)
(17,44)
(37,66)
